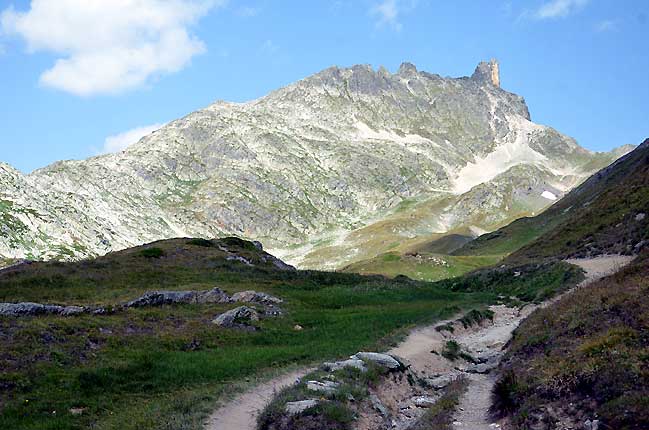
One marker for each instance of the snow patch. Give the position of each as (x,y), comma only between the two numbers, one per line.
(366,133)
(477,231)
(548,195)
(515,150)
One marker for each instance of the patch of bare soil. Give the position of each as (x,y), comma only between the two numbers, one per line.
(241,413)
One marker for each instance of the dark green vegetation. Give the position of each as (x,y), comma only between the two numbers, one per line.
(608,213)
(453,351)
(164,367)
(476,316)
(585,357)
(152,252)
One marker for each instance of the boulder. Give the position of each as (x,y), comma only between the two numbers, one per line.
(256,297)
(215,295)
(237,317)
(337,365)
(481,368)
(159,298)
(326,387)
(294,408)
(383,360)
(440,382)
(28,308)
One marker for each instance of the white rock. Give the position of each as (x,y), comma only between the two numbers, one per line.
(294,408)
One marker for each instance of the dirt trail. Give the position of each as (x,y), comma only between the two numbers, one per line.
(473,409)
(241,413)
(484,342)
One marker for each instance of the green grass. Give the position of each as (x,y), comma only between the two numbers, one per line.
(423,266)
(164,368)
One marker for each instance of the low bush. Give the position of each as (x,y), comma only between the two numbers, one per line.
(152,253)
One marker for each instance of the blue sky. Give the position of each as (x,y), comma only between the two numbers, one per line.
(74,73)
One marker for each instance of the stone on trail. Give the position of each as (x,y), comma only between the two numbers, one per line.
(383,360)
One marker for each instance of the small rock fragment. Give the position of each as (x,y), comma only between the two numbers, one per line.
(424,401)
(378,406)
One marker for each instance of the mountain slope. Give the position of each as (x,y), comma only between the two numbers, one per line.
(332,169)
(606,214)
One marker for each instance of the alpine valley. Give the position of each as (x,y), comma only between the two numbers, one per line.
(335,169)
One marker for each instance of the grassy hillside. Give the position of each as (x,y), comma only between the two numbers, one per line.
(583,358)
(164,367)
(603,215)
(421,266)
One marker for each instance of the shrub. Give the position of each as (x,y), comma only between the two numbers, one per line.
(503,395)
(200,242)
(476,317)
(152,253)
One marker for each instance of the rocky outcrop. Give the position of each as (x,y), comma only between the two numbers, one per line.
(240,317)
(384,360)
(31,309)
(256,297)
(159,298)
(488,73)
(337,365)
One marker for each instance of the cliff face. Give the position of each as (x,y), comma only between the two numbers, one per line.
(325,171)
(488,72)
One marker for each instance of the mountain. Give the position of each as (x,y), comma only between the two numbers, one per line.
(607,214)
(335,168)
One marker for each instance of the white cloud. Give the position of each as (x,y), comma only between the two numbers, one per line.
(387,13)
(121,141)
(109,46)
(606,25)
(559,8)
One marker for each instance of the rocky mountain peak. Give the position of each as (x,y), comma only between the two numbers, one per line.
(407,69)
(308,170)
(488,72)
